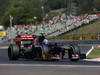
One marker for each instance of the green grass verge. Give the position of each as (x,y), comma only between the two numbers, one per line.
(94,54)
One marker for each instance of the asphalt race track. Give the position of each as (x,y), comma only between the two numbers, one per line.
(51,70)
(32,67)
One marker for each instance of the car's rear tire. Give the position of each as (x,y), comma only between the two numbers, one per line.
(13,52)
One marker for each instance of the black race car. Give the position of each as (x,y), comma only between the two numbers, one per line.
(30,47)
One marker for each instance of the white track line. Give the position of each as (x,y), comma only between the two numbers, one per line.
(40,65)
(89,51)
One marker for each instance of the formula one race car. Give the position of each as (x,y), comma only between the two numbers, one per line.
(30,47)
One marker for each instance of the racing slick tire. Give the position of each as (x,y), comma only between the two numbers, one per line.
(13,52)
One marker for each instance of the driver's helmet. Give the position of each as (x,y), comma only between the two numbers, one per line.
(45,42)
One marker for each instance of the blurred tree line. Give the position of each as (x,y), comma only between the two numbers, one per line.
(24,11)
